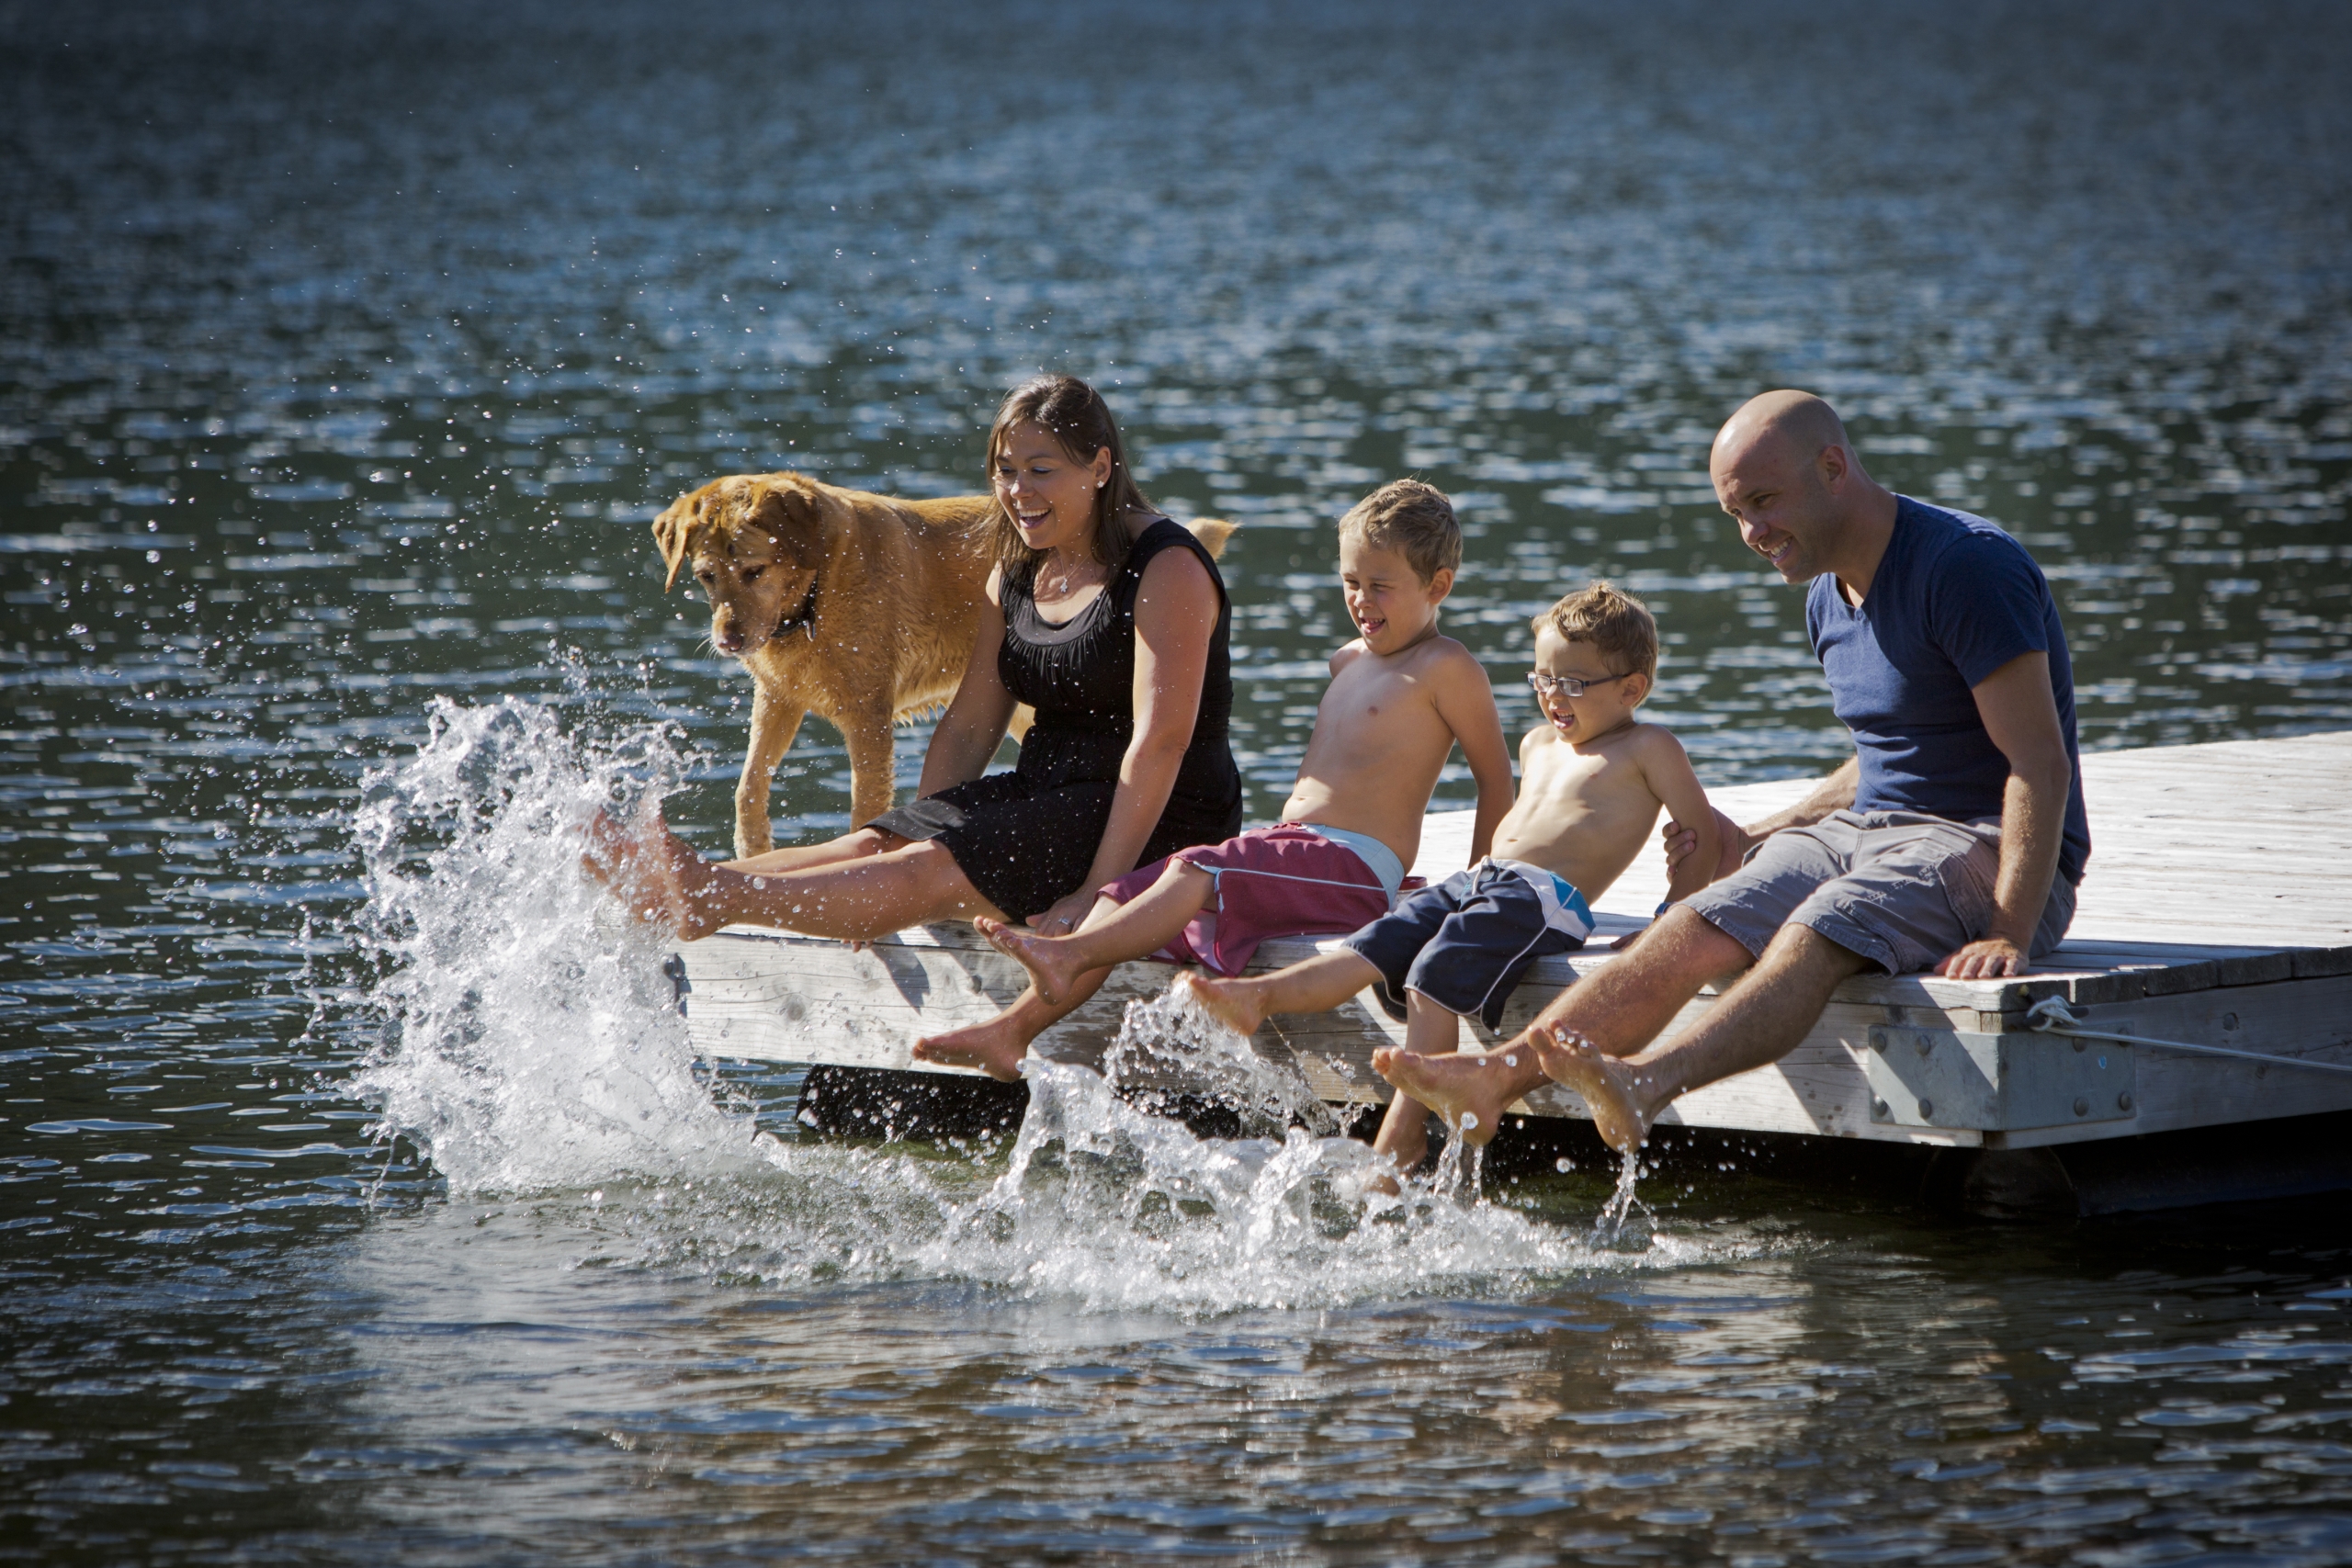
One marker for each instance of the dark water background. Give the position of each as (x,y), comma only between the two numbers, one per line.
(344,352)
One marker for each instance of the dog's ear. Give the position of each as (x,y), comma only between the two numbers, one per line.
(676,531)
(792,515)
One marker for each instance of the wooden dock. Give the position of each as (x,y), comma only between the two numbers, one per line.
(2217,911)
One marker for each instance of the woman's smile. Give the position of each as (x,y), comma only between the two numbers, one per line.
(1050,497)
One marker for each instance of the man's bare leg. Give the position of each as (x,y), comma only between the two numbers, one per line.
(1404,1136)
(854,900)
(1312,984)
(1620,1010)
(1137,929)
(1758,1021)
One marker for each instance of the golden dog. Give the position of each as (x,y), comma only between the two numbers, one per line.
(856,607)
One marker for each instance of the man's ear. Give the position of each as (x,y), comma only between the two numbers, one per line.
(1834,464)
(676,531)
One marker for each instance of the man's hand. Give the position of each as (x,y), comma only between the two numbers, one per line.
(1987,958)
(1680,840)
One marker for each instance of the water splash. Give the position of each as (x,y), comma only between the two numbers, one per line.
(1459,1176)
(1169,1051)
(530,1042)
(528,1038)
(1609,1226)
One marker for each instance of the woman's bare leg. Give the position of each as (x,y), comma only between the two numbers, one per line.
(804,857)
(997,1046)
(854,899)
(1111,933)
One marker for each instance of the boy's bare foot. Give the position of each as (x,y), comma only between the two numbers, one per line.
(995,1048)
(1623,1100)
(1233,1003)
(653,870)
(1406,1159)
(1053,975)
(1469,1091)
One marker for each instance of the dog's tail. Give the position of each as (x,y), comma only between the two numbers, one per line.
(1211,532)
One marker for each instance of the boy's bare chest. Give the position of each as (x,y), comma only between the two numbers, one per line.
(1360,699)
(1585,782)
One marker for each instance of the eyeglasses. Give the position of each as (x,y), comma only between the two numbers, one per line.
(1568,685)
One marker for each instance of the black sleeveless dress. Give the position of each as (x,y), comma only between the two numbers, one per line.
(1027,839)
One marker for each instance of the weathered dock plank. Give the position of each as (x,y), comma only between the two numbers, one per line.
(2218,910)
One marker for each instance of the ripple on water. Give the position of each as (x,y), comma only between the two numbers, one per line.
(344,352)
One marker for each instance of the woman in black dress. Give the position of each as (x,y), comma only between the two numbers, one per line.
(1107,618)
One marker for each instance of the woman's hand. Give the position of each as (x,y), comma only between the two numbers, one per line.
(1177,607)
(968,732)
(1065,917)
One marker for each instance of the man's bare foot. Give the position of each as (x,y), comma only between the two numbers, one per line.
(1052,974)
(653,870)
(995,1048)
(1623,1100)
(1233,1003)
(1469,1091)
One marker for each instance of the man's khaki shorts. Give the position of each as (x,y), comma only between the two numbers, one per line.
(1903,889)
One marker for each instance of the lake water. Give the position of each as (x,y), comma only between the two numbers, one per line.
(344,354)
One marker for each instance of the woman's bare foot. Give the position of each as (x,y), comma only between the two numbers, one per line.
(1469,1091)
(1233,1003)
(1053,972)
(653,870)
(1622,1099)
(995,1048)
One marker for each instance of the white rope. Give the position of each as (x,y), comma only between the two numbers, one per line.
(2051,1015)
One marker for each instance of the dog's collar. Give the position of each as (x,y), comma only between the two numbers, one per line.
(804,619)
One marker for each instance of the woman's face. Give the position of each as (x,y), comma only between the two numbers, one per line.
(1049,495)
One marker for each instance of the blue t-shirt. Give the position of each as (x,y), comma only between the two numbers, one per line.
(1953,600)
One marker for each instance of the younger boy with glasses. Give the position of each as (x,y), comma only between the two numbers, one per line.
(1593,778)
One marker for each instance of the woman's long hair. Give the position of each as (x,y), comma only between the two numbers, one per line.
(1080,423)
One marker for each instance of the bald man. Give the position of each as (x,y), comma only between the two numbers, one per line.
(1952,839)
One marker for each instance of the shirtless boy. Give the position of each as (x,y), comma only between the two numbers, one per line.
(1401,695)
(1593,777)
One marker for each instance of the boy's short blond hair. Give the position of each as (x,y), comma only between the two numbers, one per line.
(1614,620)
(1416,520)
